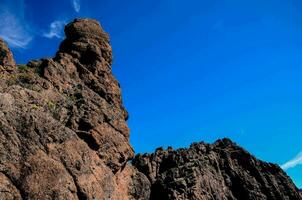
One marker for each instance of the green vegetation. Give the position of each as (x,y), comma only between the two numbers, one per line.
(51,105)
(70,99)
(12,80)
(35,106)
(24,78)
(22,67)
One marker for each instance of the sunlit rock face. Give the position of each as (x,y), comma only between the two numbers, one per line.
(63,135)
(7,61)
(63,131)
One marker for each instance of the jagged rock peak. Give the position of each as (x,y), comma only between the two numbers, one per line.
(84,59)
(63,135)
(6,57)
(218,171)
(85,28)
(63,130)
(87,41)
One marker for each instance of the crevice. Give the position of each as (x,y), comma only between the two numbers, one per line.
(17,186)
(84,125)
(80,194)
(158,192)
(89,140)
(88,57)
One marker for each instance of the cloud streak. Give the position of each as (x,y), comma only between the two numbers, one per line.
(55,30)
(13,31)
(76,5)
(293,162)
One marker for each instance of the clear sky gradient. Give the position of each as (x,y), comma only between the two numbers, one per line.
(189,70)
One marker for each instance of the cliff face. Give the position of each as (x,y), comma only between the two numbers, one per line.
(63,132)
(63,135)
(221,171)
(6,57)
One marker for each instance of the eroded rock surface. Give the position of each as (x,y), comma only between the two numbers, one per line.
(63,131)
(63,135)
(222,171)
(7,61)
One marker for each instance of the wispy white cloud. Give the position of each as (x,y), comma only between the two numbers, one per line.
(55,30)
(14,29)
(76,5)
(293,163)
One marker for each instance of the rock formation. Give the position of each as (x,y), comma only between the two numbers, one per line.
(7,61)
(63,135)
(63,131)
(222,171)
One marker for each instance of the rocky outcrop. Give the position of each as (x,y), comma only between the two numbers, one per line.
(7,61)
(63,135)
(63,131)
(222,171)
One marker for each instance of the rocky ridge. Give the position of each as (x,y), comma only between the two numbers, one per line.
(222,171)
(63,135)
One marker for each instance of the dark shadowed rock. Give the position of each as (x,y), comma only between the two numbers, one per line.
(222,171)
(63,135)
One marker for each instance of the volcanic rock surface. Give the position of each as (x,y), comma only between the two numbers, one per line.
(6,57)
(63,131)
(63,135)
(221,171)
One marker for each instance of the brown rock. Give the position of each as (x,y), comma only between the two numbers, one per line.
(63,131)
(131,181)
(222,171)
(6,57)
(7,189)
(63,135)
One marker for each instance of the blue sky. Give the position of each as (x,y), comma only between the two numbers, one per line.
(193,71)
